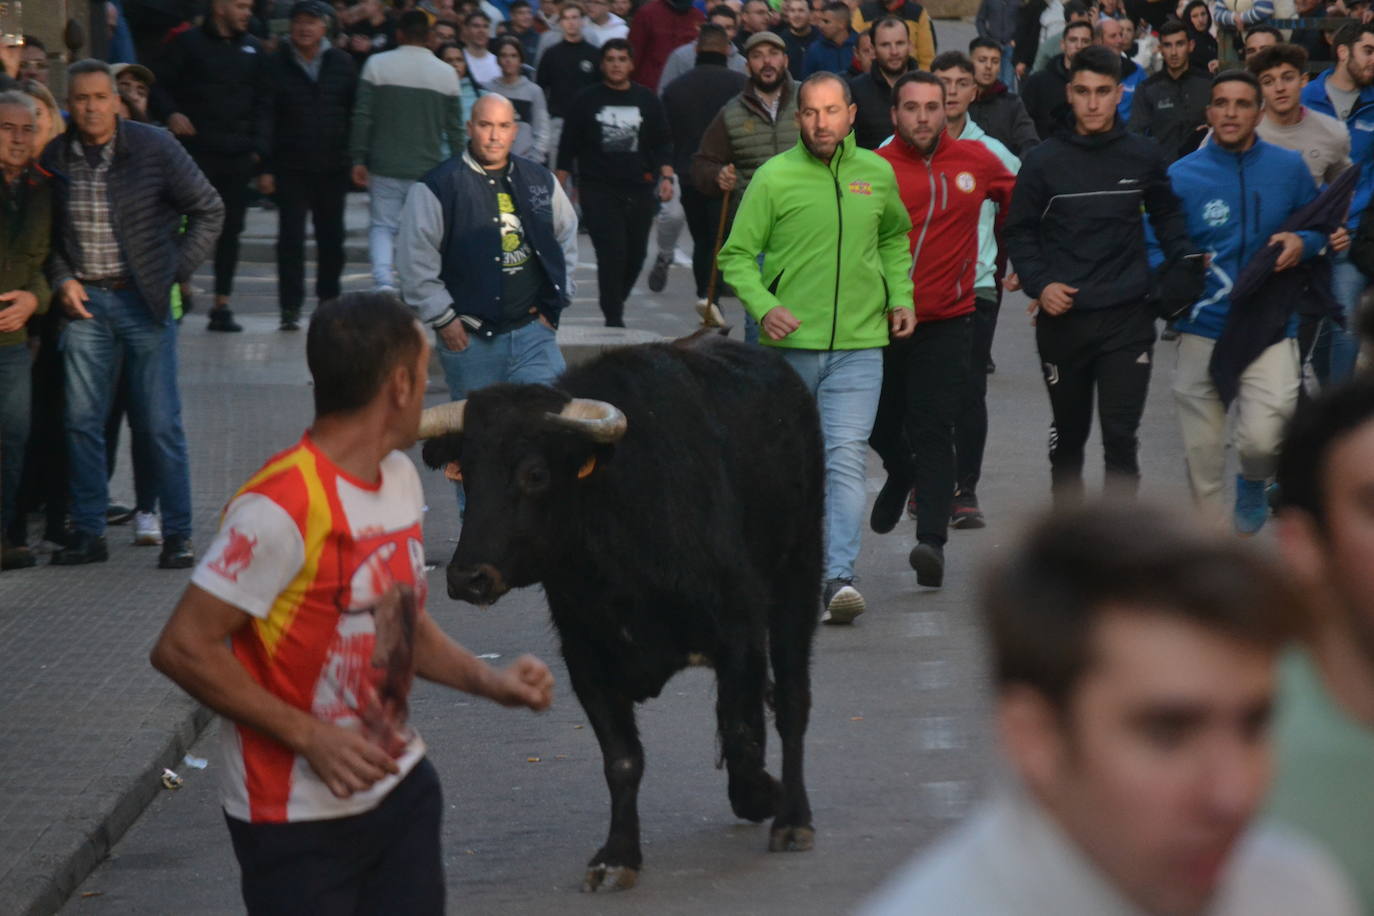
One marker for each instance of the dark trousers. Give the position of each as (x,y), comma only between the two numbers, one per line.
(321,195)
(230,176)
(703,219)
(1102,351)
(924,379)
(973,416)
(387,860)
(45,460)
(618,219)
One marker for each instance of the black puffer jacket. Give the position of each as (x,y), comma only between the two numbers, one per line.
(873,97)
(218,82)
(152,183)
(305,121)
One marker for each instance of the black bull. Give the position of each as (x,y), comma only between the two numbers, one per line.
(690,533)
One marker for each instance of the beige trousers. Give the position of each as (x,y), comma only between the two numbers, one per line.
(1268,394)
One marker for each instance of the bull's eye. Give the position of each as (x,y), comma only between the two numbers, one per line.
(533,476)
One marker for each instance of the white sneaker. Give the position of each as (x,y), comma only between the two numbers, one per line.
(842,602)
(147,529)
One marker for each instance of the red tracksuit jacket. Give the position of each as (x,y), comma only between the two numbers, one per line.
(943,195)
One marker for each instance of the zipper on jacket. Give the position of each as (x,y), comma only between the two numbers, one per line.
(839,246)
(930,214)
(1240,167)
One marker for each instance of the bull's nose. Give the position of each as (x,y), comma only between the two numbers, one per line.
(480,584)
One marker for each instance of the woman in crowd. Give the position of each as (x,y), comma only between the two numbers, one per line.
(1197,18)
(531,109)
(452,54)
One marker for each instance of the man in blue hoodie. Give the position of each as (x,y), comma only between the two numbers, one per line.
(1237,191)
(1345,91)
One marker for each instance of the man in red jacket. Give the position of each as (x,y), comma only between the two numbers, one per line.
(658,29)
(943,183)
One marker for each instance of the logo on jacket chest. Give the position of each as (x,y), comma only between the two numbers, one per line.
(1216,212)
(964,182)
(861,187)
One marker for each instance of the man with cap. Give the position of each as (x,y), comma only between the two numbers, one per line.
(313,86)
(752,128)
(134,82)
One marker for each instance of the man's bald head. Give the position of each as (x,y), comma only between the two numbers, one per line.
(492,105)
(492,129)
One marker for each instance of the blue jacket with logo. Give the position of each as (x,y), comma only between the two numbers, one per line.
(1233,203)
(1361,125)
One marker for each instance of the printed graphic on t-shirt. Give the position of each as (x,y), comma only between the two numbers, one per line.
(524,110)
(515,250)
(619,128)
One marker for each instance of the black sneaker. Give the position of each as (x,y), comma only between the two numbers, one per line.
(658,274)
(992,367)
(887,505)
(222,319)
(176,553)
(290,324)
(841,602)
(965,514)
(81,548)
(116,514)
(929,562)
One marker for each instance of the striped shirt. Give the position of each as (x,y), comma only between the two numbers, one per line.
(90,226)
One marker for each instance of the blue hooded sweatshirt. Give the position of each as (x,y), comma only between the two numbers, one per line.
(1233,203)
(1361,126)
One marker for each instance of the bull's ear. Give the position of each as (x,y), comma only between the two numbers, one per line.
(440,451)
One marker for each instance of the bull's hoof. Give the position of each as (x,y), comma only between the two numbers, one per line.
(610,878)
(791,839)
(755,797)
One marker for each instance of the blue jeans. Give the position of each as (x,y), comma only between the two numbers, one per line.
(121,325)
(846,384)
(385,198)
(1348,284)
(1007,72)
(15,396)
(527,355)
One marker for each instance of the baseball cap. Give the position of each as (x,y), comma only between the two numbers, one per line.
(759,38)
(137,71)
(309,8)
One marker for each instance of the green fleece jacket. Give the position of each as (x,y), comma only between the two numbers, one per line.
(25,234)
(834,245)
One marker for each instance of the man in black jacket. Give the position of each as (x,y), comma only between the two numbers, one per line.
(996,109)
(691,102)
(1043,92)
(1171,105)
(565,69)
(1075,234)
(617,139)
(872,91)
(211,91)
(122,192)
(313,86)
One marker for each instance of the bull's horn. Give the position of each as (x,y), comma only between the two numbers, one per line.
(441,419)
(597,420)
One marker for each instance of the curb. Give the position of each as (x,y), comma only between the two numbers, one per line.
(71,849)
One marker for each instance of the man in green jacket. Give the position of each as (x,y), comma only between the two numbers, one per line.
(833,289)
(25,232)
